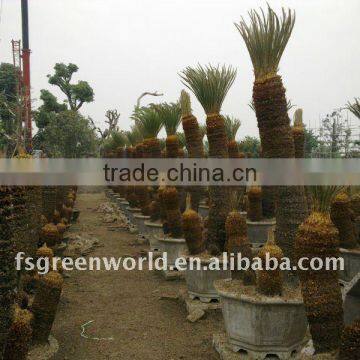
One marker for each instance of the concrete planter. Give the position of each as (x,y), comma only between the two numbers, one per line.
(131,212)
(139,220)
(203,210)
(200,282)
(154,232)
(351,263)
(258,231)
(262,325)
(174,248)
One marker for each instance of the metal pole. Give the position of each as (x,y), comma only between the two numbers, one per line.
(26,71)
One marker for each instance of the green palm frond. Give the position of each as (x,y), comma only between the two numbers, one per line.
(266,38)
(209,84)
(354,108)
(323,196)
(134,135)
(232,126)
(182,139)
(148,121)
(185,103)
(170,115)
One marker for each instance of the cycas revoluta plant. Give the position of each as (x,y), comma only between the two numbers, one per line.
(170,199)
(266,38)
(342,217)
(317,237)
(232,126)
(270,282)
(210,85)
(149,123)
(355,107)
(194,141)
(298,131)
(237,243)
(170,115)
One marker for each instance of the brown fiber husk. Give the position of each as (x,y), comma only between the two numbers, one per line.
(318,237)
(350,342)
(254,211)
(48,201)
(195,148)
(355,204)
(172,146)
(49,234)
(219,195)
(237,243)
(193,232)
(270,282)
(153,148)
(19,338)
(277,142)
(45,304)
(341,216)
(298,133)
(173,214)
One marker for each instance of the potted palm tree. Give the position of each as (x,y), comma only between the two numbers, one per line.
(318,238)
(210,85)
(354,107)
(266,38)
(262,318)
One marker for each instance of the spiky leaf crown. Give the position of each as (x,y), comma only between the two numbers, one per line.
(266,38)
(210,84)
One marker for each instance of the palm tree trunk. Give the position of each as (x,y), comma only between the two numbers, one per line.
(195,149)
(219,195)
(277,142)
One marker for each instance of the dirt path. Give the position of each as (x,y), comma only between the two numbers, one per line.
(125,305)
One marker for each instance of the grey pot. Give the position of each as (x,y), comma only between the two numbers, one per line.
(174,248)
(258,231)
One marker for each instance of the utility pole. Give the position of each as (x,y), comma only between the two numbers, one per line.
(26,73)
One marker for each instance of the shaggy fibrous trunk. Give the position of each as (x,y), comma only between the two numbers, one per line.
(350,342)
(45,304)
(277,142)
(237,243)
(141,191)
(298,133)
(173,215)
(195,147)
(219,195)
(341,216)
(318,238)
(193,232)
(254,210)
(7,270)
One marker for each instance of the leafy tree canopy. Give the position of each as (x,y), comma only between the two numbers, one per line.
(76,94)
(250,145)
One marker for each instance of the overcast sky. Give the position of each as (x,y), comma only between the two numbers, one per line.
(125,47)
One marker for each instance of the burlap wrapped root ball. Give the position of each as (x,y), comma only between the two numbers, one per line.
(317,237)
(254,210)
(193,232)
(66,212)
(20,334)
(45,304)
(341,216)
(350,342)
(50,235)
(173,215)
(237,243)
(270,282)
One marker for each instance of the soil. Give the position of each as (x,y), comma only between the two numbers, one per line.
(125,305)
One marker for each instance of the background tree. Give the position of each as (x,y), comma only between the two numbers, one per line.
(250,145)
(67,134)
(76,94)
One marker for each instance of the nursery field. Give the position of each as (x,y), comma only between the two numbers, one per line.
(125,305)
